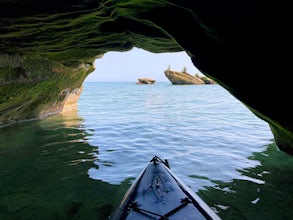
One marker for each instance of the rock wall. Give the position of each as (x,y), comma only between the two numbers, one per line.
(69,103)
(35,87)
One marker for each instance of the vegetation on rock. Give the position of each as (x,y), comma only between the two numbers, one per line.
(38,85)
(225,40)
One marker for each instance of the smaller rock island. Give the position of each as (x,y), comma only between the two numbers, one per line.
(145,81)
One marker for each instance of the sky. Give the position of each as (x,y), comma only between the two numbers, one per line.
(139,63)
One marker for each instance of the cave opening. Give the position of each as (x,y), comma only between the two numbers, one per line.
(139,63)
(197,128)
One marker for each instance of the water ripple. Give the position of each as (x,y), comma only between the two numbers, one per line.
(202,130)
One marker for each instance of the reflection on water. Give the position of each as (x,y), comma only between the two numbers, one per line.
(56,168)
(43,172)
(44,175)
(264,192)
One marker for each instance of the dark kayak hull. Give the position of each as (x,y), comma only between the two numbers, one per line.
(158,194)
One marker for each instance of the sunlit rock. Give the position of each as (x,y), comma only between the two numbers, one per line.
(182,78)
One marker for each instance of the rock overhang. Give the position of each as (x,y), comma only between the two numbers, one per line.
(242,46)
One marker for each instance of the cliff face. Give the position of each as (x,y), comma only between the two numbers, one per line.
(44,42)
(35,87)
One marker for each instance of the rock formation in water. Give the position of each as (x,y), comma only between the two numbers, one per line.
(183,78)
(145,81)
(48,48)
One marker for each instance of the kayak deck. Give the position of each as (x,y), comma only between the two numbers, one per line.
(158,194)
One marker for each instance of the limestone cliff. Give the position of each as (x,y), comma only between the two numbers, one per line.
(43,42)
(35,87)
(68,103)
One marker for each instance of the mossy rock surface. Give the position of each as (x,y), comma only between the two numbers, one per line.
(241,46)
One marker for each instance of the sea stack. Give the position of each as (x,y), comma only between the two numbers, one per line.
(184,78)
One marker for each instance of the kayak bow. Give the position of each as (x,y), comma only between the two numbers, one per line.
(158,194)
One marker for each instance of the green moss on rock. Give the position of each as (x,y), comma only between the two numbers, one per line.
(39,86)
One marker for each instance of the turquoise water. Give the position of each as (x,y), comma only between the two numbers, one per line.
(78,165)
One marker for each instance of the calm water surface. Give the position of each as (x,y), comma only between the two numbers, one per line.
(79,165)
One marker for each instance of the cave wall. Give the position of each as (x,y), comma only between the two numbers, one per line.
(35,87)
(244,46)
